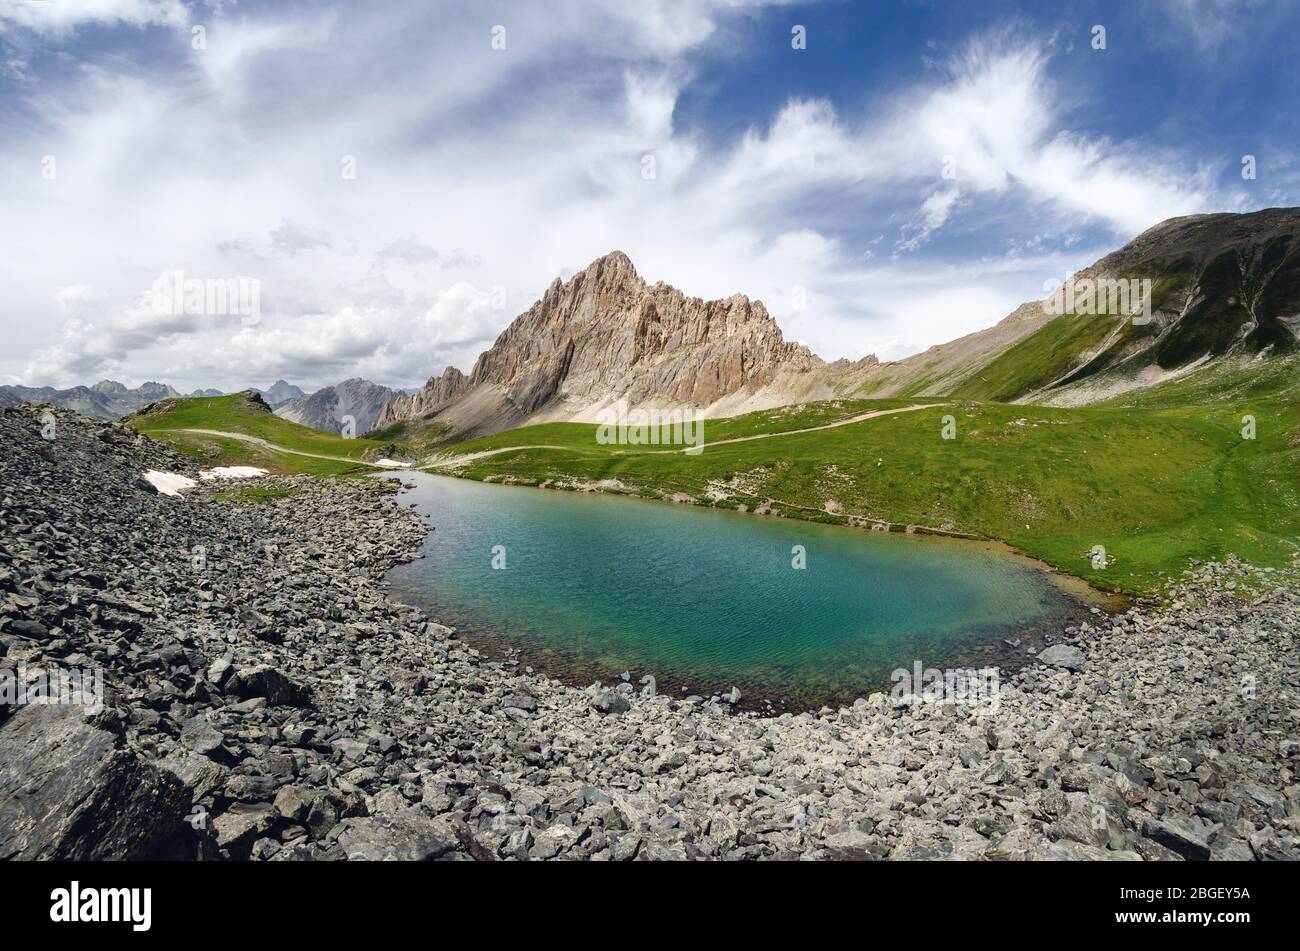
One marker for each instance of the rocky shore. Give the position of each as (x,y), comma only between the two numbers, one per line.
(263,699)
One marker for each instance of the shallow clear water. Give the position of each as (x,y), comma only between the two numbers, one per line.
(594,585)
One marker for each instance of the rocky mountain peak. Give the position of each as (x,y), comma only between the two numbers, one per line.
(329,408)
(605,335)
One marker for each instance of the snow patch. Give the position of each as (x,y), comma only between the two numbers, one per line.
(392,464)
(168,483)
(231,472)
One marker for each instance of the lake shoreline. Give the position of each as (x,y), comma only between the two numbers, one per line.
(1113,601)
(1007,654)
(1008,650)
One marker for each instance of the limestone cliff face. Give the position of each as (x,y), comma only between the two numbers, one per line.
(436,394)
(605,335)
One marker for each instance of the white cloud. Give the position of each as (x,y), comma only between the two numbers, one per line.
(935,210)
(650,104)
(60,16)
(75,296)
(992,124)
(1210,23)
(290,237)
(231,47)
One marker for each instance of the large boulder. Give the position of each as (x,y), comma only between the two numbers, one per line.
(1062,655)
(264,680)
(241,825)
(69,791)
(409,835)
(610,701)
(1183,834)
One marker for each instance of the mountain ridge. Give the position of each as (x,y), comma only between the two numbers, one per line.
(605,335)
(1215,285)
(107,399)
(326,409)
(1221,284)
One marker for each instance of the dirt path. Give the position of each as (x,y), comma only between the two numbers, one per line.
(813,429)
(259,441)
(453,461)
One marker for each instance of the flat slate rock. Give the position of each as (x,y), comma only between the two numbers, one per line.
(1062,655)
(406,836)
(68,792)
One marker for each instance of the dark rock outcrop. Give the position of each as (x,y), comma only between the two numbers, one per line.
(68,790)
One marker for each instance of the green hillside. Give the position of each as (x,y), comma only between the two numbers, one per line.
(1217,289)
(244,414)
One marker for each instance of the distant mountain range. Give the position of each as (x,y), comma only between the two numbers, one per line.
(279,393)
(107,399)
(1210,287)
(328,407)
(325,409)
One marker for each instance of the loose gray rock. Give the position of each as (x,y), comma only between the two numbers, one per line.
(241,825)
(611,701)
(265,681)
(201,736)
(405,836)
(338,709)
(1062,655)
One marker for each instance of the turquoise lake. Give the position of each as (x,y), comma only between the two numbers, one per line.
(594,585)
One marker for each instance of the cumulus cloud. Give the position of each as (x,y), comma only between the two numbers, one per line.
(384,334)
(61,16)
(369,326)
(75,297)
(290,237)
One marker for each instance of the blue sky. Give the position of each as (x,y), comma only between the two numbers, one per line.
(913,174)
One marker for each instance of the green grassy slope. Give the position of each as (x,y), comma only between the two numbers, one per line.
(412,438)
(237,413)
(1039,359)
(1235,296)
